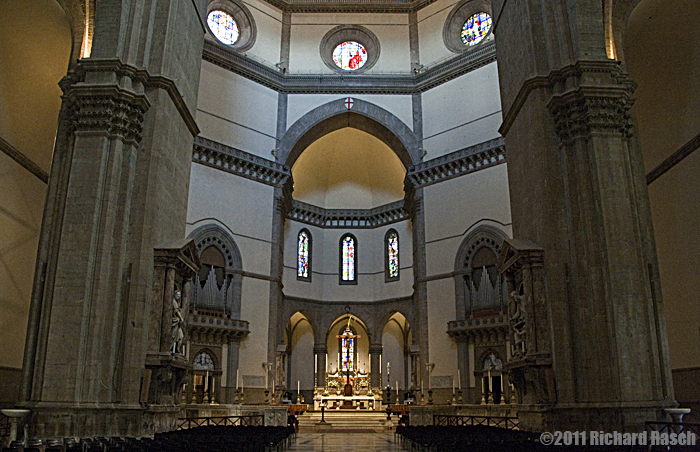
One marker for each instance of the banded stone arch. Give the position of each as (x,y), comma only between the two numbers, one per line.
(364,116)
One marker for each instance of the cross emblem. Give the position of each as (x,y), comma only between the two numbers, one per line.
(349,103)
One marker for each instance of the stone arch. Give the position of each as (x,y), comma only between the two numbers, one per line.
(228,297)
(481,236)
(212,234)
(215,359)
(364,116)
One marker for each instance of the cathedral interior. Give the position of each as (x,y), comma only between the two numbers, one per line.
(205,200)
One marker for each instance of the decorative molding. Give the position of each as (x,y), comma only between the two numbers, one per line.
(107,109)
(240,163)
(675,158)
(322,303)
(138,77)
(349,6)
(24,161)
(348,218)
(486,325)
(348,83)
(212,328)
(580,70)
(459,163)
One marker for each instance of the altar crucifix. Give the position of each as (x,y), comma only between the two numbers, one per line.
(347,336)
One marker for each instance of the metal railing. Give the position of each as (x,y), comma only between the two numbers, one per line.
(672,427)
(492,421)
(247,420)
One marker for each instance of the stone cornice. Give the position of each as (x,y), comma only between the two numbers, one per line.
(407,299)
(138,76)
(348,218)
(23,160)
(240,163)
(561,77)
(349,83)
(455,164)
(349,6)
(209,328)
(457,329)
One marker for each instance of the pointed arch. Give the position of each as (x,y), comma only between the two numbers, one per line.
(304,259)
(347,259)
(364,116)
(391,255)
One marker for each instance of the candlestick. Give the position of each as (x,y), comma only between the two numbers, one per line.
(266,377)
(206,381)
(453,386)
(370,363)
(459,379)
(298,390)
(397,388)
(236,379)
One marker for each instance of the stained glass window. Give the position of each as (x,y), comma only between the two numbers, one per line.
(350,55)
(223,26)
(348,257)
(303,255)
(392,244)
(348,350)
(203,362)
(475,29)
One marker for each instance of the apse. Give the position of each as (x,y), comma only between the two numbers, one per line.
(348,169)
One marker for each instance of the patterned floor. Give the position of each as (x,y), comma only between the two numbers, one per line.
(366,442)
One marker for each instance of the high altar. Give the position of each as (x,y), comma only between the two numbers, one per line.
(332,395)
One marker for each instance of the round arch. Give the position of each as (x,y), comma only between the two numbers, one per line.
(364,116)
(215,235)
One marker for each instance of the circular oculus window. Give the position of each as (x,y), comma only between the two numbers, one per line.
(475,29)
(223,26)
(350,55)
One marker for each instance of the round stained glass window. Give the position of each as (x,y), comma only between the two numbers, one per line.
(223,26)
(475,29)
(350,55)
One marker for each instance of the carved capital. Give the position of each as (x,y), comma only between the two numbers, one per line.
(580,113)
(114,114)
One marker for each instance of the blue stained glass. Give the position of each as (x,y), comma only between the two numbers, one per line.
(348,259)
(350,55)
(303,255)
(475,29)
(393,250)
(223,26)
(348,350)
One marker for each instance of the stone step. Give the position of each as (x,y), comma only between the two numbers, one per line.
(344,420)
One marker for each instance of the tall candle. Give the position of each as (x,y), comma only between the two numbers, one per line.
(236,378)
(453,386)
(206,381)
(298,390)
(266,377)
(459,379)
(370,362)
(315,364)
(397,387)
(490,389)
(326,362)
(421,386)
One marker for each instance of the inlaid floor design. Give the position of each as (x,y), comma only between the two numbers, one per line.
(365,442)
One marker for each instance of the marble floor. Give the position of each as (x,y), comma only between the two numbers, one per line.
(366,442)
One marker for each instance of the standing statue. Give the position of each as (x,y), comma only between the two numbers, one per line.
(178,322)
(518,324)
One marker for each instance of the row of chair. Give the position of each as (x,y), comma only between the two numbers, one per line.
(209,439)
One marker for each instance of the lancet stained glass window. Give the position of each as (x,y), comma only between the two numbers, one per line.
(348,350)
(303,255)
(350,55)
(475,29)
(223,26)
(348,257)
(392,245)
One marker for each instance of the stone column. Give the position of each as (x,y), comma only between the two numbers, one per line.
(577,191)
(234,345)
(376,351)
(320,352)
(420,295)
(281,204)
(117,191)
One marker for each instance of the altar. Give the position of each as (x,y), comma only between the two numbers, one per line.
(354,402)
(333,396)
